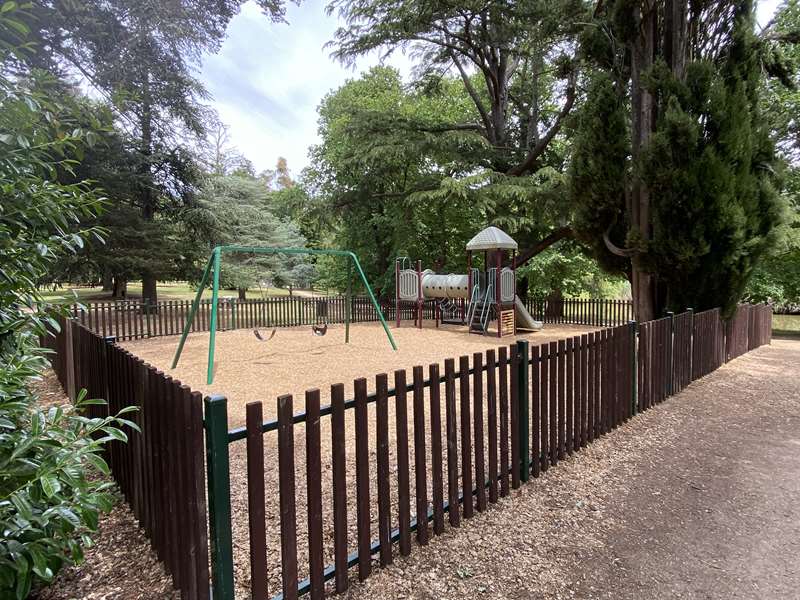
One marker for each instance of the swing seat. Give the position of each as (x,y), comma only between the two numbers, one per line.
(319,330)
(260,338)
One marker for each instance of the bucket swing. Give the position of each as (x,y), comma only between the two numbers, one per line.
(320,328)
(261,338)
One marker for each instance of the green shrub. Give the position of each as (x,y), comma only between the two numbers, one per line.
(50,495)
(51,492)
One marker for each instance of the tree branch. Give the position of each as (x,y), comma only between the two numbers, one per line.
(487,123)
(614,249)
(542,245)
(529,163)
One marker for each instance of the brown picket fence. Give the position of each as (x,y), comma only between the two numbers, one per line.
(354,480)
(477,428)
(160,471)
(599,312)
(461,448)
(133,319)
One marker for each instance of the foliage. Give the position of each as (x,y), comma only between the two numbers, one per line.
(48,505)
(139,56)
(494,84)
(777,278)
(709,167)
(367,190)
(597,176)
(240,209)
(566,270)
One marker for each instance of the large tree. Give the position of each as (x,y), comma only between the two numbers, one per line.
(674,168)
(366,190)
(140,55)
(777,278)
(516,70)
(240,210)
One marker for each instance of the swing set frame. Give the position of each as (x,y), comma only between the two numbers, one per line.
(215,264)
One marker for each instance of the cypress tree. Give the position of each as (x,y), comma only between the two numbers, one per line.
(701,157)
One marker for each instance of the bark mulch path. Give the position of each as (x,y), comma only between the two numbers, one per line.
(697,498)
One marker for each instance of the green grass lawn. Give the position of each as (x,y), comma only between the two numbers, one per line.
(786,325)
(177,290)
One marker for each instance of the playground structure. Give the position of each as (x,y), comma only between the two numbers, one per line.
(474,299)
(215,264)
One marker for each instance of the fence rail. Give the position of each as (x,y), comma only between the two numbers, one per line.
(454,438)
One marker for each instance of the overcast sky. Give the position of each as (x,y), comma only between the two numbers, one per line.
(268,80)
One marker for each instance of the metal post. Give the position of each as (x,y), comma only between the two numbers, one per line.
(192,312)
(524,404)
(634,332)
(219,497)
(372,299)
(498,297)
(420,302)
(465,308)
(348,300)
(213,325)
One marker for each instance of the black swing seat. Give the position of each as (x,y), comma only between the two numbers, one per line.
(260,338)
(319,330)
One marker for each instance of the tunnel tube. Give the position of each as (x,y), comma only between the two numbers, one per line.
(452,285)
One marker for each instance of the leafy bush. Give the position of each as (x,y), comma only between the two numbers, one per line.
(49,497)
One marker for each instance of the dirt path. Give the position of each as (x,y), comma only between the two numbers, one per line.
(698,498)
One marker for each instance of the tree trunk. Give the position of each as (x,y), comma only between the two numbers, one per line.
(108,279)
(641,129)
(555,304)
(149,284)
(120,288)
(149,289)
(242,293)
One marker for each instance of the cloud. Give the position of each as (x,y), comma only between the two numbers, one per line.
(268,79)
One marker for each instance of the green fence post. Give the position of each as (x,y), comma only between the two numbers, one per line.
(219,497)
(348,300)
(634,329)
(524,407)
(670,353)
(212,336)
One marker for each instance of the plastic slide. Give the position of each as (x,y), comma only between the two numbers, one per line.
(524,318)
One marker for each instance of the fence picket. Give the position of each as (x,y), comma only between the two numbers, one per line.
(420,465)
(491,399)
(362,479)
(339,484)
(466,438)
(436,450)
(382,436)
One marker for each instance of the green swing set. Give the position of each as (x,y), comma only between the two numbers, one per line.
(214,263)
